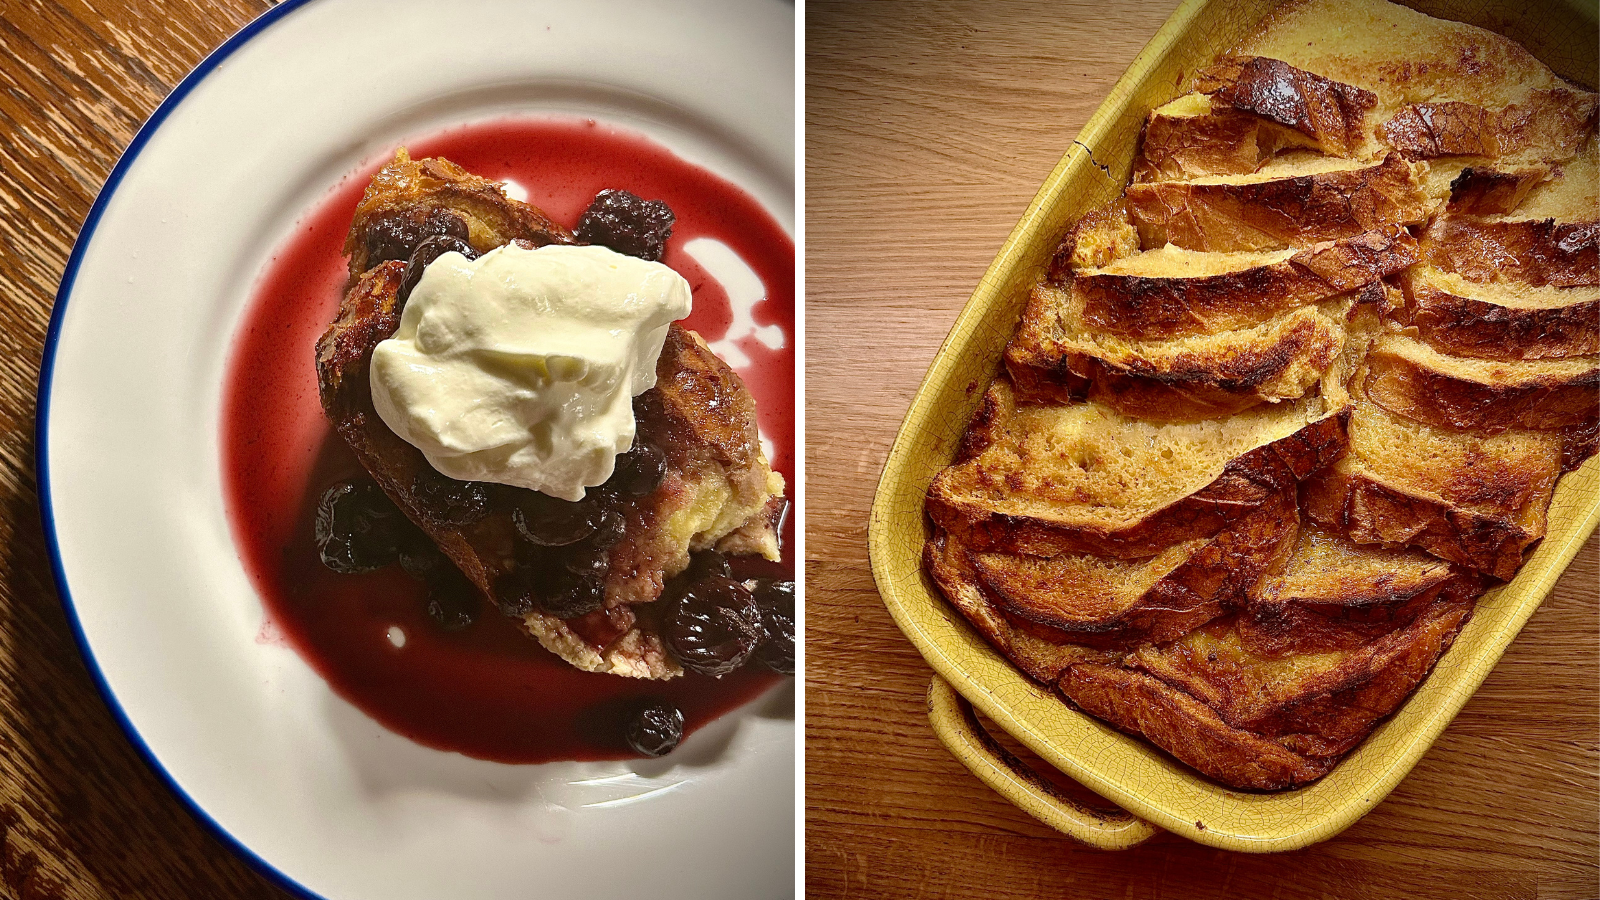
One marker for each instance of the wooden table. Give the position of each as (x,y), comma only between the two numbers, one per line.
(929,126)
(81,815)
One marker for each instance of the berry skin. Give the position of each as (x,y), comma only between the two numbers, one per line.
(453,601)
(714,627)
(656,729)
(450,502)
(776,600)
(627,224)
(639,471)
(358,528)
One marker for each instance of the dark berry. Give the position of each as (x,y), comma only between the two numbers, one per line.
(358,528)
(453,601)
(656,729)
(639,471)
(553,522)
(429,250)
(514,592)
(705,564)
(608,531)
(589,562)
(715,626)
(397,234)
(450,502)
(568,595)
(422,560)
(627,224)
(776,601)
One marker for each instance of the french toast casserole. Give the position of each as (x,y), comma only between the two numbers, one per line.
(582,573)
(1275,419)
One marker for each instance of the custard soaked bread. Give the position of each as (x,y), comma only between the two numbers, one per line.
(1274,419)
(704,483)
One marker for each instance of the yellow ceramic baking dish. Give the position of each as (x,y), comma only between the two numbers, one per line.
(1156,790)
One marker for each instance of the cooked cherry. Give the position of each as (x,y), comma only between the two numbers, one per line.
(656,729)
(396,235)
(705,564)
(422,560)
(627,224)
(514,592)
(453,601)
(639,471)
(591,562)
(715,626)
(776,601)
(570,595)
(553,522)
(451,502)
(358,528)
(427,251)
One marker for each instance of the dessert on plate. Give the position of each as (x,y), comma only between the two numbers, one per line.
(541,436)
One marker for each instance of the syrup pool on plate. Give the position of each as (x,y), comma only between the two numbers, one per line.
(488,691)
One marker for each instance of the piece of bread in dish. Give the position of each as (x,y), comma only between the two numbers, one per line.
(1477,500)
(1290,201)
(1042,653)
(1501,320)
(1110,601)
(1407,376)
(719,490)
(1052,357)
(1333,115)
(1170,291)
(1552,238)
(1048,479)
(1335,594)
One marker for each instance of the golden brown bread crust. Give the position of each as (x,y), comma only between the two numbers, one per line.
(1176,591)
(1285,211)
(1220,142)
(1452,128)
(1552,122)
(1484,191)
(1530,251)
(1353,499)
(1188,729)
(1044,660)
(959,502)
(1152,306)
(1278,360)
(1478,328)
(1102,236)
(1508,397)
(1331,113)
(411,188)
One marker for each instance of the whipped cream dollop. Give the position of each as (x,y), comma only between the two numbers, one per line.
(520,367)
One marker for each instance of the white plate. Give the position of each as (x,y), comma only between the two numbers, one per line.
(303,784)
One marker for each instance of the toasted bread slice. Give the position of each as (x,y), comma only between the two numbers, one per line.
(1401,55)
(1407,376)
(1334,594)
(1332,114)
(1478,501)
(1286,203)
(1188,729)
(719,489)
(1191,137)
(1257,722)
(1044,480)
(1101,237)
(1551,125)
(1054,357)
(1491,190)
(1501,320)
(1153,599)
(1043,658)
(1171,291)
(1262,693)
(1551,238)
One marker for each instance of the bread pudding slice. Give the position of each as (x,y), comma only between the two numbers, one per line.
(717,490)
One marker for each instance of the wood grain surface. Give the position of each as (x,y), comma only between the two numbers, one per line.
(81,815)
(929,127)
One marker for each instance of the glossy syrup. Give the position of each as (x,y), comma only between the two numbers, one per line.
(489,691)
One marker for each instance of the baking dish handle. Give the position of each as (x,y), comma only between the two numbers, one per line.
(958,728)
